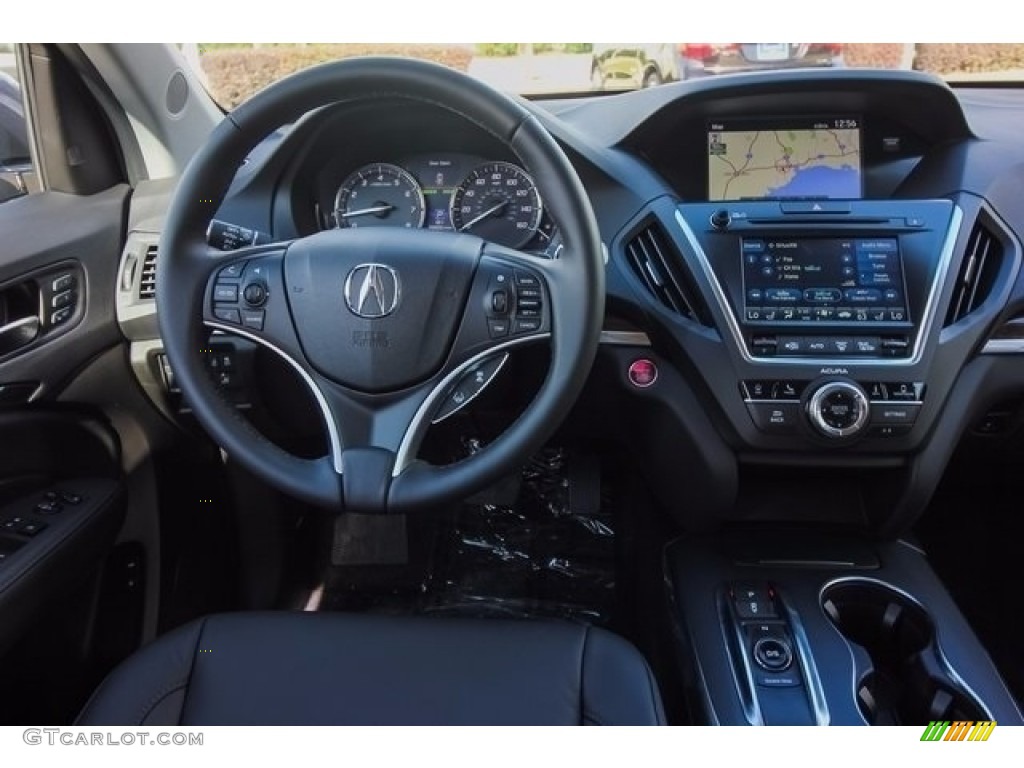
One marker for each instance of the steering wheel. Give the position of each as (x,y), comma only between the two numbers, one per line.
(385,326)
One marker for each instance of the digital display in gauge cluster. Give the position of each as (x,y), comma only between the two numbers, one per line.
(495,200)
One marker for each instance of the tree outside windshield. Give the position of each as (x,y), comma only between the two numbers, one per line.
(233,72)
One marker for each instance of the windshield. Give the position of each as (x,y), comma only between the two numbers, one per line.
(234,71)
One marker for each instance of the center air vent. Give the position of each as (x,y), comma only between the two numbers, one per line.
(147,280)
(978,271)
(662,271)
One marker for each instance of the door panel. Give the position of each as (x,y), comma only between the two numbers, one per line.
(45,239)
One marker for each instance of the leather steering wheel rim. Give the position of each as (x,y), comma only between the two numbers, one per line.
(186,262)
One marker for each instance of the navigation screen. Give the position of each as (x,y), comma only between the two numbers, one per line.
(816,158)
(844,280)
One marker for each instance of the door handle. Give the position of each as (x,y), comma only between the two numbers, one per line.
(18,333)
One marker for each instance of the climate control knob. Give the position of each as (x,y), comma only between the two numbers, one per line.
(839,409)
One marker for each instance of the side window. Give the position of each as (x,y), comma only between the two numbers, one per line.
(15,159)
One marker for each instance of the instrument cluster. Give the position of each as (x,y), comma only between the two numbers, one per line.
(495,200)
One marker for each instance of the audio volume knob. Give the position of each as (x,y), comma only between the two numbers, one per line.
(839,409)
(721,219)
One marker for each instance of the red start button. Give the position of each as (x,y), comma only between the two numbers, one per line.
(643,372)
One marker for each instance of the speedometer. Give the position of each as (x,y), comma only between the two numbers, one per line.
(498,202)
(379,195)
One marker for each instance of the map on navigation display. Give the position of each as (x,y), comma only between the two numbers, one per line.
(816,159)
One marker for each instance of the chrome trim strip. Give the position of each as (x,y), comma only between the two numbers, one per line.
(735,645)
(1003,347)
(807,666)
(924,328)
(626,338)
(943,661)
(332,429)
(476,394)
(405,455)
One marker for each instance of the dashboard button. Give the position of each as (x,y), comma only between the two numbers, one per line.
(905,391)
(892,413)
(642,373)
(773,654)
(775,418)
(815,206)
(876,391)
(228,315)
(889,430)
(792,345)
(758,390)
(787,390)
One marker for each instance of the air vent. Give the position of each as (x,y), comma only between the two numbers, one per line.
(659,266)
(978,272)
(147,281)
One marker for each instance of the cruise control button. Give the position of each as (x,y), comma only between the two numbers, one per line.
(253,318)
(528,293)
(228,315)
(497,328)
(527,304)
(526,279)
(528,325)
(499,302)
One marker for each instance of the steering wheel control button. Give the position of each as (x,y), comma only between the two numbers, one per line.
(526,280)
(469,386)
(225,292)
(232,271)
(499,302)
(775,418)
(839,409)
(228,315)
(497,329)
(255,294)
(643,373)
(773,654)
(252,318)
(531,325)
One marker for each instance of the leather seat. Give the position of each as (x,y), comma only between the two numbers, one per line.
(337,669)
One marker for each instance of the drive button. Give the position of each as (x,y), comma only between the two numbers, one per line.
(775,418)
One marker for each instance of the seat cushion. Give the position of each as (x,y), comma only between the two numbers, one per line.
(338,669)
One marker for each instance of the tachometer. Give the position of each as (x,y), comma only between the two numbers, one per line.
(379,195)
(498,202)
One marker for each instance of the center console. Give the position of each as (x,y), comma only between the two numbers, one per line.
(828,308)
(799,628)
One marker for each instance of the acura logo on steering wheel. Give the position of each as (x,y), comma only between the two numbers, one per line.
(372,290)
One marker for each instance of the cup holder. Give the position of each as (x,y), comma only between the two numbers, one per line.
(901,676)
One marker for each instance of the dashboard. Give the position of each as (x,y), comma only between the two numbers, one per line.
(813,276)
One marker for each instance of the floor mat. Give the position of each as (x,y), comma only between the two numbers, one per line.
(546,550)
(538,544)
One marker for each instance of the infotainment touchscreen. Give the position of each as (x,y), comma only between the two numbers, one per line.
(843,280)
(815,158)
